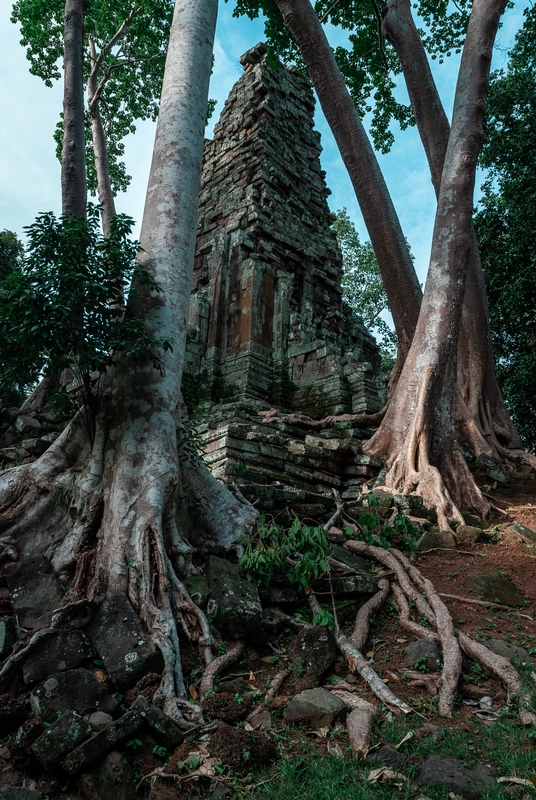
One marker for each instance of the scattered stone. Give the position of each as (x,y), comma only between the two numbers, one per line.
(350,559)
(75,616)
(197,588)
(315,708)
(495,589)
(437,734)
(111,778)
(260,719)
(234,604)
(470,782)
(35,591)
(240,749)
(163,728)
(225,706)
(387,756)
(27,425)
(432,539)
(65,650)
(122,642)
(312,653)
(410,503)
(351,584)
(19,793)
(423,649)
(7,636)
(279,595)
(507,650)
(75,688)
(467,535)
(63,736)
(101,743)
(527,534)
(99,721)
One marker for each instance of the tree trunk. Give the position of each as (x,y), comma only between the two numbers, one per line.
(482,419)
(122,522)
(73,165)
(100,155)
(390,248)
(417,436)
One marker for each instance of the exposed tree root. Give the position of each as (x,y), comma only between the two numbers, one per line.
(410,583)
(276,684)
(303,421)
(362,621)
(216,667)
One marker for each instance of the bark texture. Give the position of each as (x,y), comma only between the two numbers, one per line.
(100,155)
(417,437)
(73,166)
(390,248)
(482,420)
(114,510)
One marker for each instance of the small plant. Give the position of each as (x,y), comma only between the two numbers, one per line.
(159,751)
(422,665)
(134,744)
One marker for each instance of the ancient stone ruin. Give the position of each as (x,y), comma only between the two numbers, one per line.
(268,326)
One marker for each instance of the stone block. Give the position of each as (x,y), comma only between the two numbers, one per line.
(74,689)
(19,793)
(470,782)
(35,591)
(122,642)
(63,736)
(509,651)
(64,650)
(312,653)
(495,589)
(425,651)
(314,708)
(234,604)
(7,636)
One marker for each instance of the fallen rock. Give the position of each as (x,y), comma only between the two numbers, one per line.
(387,756)
(75,688)
(240,749)
(27,425)
(467,535)
(122,642)
(507,650)
(111,778)
(224,706)
(63,736)
(163,728)
(19,793)
(432,539)
(277,595)
(527,534)
(315,708)
(495,589)
(349,584)
(234,604)
(62,651)
(470,782)
(99,721)
(359,726)
(312,652)
(350,559)
(425,651)
(7,636)
(35,591)
(101,743)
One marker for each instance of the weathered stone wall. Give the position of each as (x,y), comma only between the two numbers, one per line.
(267,321)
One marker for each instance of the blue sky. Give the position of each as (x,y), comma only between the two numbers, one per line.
(30,174)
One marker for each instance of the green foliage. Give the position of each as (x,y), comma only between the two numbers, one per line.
(66,306)
(363,288)
(134,67)
(505,226)
(269,547)
(368,63)
(11,254)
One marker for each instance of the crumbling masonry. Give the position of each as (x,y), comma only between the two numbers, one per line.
(268,326)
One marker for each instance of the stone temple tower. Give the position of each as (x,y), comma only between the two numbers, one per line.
(267,321)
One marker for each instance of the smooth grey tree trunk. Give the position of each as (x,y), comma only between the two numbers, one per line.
(100,153)
(73,164)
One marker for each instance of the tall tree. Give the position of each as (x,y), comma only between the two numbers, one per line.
(124,45)
(73,168)
(505,225)
(124,526)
